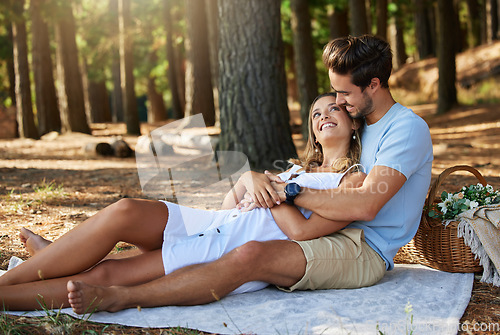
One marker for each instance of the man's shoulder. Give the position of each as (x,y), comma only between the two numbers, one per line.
(404,116)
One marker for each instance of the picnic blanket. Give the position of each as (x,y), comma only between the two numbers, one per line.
(410,297)
(480,228)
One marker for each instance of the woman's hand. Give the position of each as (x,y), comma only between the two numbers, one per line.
(260,188)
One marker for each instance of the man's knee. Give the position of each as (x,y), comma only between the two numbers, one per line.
(102,273)
(250,255)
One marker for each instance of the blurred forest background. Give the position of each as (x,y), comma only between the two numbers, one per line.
(246,65)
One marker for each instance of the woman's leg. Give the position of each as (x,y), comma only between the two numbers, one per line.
(53,293)
(139,222)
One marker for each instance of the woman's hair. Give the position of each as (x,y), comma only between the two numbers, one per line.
(313,158)
(364,58)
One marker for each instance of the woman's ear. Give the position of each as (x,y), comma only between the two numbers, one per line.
(356,124)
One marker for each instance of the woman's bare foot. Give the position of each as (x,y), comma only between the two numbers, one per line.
(85,299)
(32,242)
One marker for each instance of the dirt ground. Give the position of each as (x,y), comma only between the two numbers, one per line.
(51,185)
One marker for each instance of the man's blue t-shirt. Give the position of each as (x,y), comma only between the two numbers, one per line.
(400,140)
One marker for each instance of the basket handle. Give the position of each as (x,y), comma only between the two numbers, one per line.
(434,188)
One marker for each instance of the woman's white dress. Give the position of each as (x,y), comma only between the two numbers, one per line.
(194,236)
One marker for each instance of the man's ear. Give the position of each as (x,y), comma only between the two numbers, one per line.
(374,84)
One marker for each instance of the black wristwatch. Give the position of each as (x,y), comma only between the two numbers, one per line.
(291,191)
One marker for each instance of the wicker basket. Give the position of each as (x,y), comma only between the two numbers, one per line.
(438,246)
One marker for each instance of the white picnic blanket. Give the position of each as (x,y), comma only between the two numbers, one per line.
(438,300)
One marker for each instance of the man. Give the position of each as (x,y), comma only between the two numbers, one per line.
(396,155)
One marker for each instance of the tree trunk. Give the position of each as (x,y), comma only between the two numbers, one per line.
(447,92)
(127,70)
(46,96)
(117,96)
(71,99)
(100,110)
(213,44)
(339,22)
(10,65)
(474,23)
(304,57)
(199,94)
(156,107)
(253,85)
(177,104)
(401,55)
(25,118)
(495,28)
(357,9)
(423,29)
(381,13)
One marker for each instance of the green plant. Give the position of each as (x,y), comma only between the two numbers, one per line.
(467,198)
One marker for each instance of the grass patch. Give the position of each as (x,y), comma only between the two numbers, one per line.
(21,201)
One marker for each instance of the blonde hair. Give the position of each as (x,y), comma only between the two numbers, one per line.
(313,153)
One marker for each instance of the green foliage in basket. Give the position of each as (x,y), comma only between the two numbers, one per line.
(467,198)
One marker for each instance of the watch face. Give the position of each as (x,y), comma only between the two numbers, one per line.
(292,189)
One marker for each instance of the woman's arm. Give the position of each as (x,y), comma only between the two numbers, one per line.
(297,227)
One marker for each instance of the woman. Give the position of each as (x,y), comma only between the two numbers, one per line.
(163,232)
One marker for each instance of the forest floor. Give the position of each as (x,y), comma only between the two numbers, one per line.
(51,185)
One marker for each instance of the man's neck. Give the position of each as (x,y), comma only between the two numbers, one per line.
(382,102)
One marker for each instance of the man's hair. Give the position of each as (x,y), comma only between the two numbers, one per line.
(364,57)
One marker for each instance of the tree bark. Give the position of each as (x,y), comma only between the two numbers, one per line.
(25,118)
(357,10)
(100,110)
(199,93)
(381,12)
(252,83)
(156,107)
(71,99)
(447,92)
(339,22)
(131,113)
(304,57)
(11,72)
(117,96)
(423,29)
(177,104)
(213,44)
(45,90)
(474,23)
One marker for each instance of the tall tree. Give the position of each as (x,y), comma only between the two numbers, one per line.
(213,44)
(474,23)
(305,62)
(447,92)
(71,99)
(199,93)
(253,98)
(11,71)
(25,118)
(357,10)
(339,20)
(127,69)
(46,96)
(177,102)
(400,55)
(156,108)
(423,30)
(381,14)
(116,96)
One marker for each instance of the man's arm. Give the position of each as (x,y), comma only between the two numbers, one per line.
(351,204)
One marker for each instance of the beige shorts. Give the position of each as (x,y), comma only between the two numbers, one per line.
(340,260)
